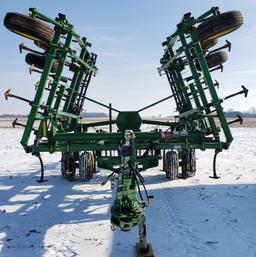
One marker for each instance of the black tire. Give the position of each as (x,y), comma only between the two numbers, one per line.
(39,61)
(192,162)
(214,59)
(83,175)
(28,27)
(91,162)
(219,25)
(171,165)
(44,45)
(68,166)
(207,44)
(86,166)
(188,164)
(63,164)
(185,164)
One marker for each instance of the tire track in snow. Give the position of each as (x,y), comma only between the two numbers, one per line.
(225,214)
(181,231)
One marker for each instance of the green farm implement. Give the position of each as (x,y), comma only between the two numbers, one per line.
(54,123)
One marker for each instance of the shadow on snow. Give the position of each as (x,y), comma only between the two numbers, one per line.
(197,220)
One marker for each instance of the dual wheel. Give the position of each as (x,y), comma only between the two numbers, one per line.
(86,166)
(211,29)
(171,165)
(187,163)
(33,29)
(84,162)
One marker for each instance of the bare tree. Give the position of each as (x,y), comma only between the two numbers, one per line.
(252,111)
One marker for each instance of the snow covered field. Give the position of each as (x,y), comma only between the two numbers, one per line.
(197,217)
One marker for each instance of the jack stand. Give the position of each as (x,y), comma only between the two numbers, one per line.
(144,252)
(41,180)
(214,165)
(143,248)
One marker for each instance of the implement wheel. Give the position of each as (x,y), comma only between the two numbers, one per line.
(86,166)
(192,162)
(39,61)
(219,25)
(68,167)
(207,44)
(188,163)
(63,164)
(28,27)
(214,59)
(45,46)
(171,165)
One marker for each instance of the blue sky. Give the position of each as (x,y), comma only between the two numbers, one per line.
(127,37)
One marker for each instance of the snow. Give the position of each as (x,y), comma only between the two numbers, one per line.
(197,217)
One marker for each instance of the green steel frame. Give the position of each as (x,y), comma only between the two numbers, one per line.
(62,130)
(57,121)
